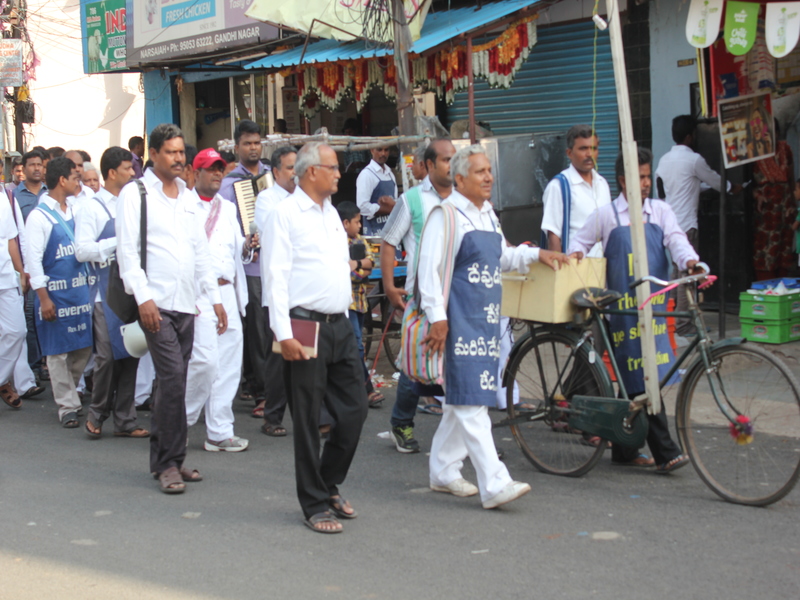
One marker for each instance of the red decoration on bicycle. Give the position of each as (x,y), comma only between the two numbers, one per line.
(742,430)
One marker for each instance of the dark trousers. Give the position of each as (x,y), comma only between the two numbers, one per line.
(114,380)
(405,404)
(34,353)
(258,347)
(335,378)
(662,446)
(171,349)
(274,387)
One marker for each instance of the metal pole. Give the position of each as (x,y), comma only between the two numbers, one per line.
(405,98)
(723,196)
(470,91)
(634,198)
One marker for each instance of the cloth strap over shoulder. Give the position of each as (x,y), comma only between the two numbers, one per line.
(414,201)
(143,223)
(566,202)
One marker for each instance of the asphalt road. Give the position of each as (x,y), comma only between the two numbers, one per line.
(84,519)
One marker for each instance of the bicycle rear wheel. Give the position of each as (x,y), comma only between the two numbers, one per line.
(548,370)
(754,383)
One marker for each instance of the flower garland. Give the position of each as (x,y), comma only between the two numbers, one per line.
(327,84)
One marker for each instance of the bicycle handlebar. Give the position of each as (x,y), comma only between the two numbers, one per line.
(676,282)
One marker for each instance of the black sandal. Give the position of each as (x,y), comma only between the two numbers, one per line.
(273,430)
(323,517)
(70,420)
(337,504)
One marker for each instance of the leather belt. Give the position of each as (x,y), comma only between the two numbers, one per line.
(312,315)
(222,281)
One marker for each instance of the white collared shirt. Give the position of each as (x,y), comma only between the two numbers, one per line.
(366,182)
(89,224)
(177,248)
(267,200)
(8,231)
(307,258)
(431,255)
(400,227)
(585,200)
(684,173)
(77,202)
(37,231)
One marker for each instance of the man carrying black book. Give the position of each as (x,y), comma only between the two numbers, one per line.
(308,269)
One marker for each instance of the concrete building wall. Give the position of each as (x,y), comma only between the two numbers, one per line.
(669,83)
(74,110)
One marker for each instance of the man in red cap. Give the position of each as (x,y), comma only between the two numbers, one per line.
(216,363)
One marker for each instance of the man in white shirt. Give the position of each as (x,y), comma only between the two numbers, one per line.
(587,191)
(79,200)
(308,279)
(376,191)
(12,314)
(96,244)
(470,376)
(680,177)
(216,364)
(63,302)
(177,260)
(403,228)
(274,403)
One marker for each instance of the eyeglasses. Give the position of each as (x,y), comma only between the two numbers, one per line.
(331,167)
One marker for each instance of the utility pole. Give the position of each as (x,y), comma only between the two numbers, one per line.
(16,33)
(634,198)
(405,96)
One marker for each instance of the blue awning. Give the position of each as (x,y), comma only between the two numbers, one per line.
(438,28)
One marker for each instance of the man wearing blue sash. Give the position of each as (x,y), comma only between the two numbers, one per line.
(96,244)
(611,226)
(376,191)
(466,327)
(63,308)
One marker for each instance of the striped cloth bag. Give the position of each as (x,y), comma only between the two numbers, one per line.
(419,365)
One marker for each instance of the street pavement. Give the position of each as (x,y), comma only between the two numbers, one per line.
(84,519)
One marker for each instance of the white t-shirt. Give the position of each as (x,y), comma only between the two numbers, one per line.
(585,200)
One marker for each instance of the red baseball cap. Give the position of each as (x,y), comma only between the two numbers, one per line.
(208,158)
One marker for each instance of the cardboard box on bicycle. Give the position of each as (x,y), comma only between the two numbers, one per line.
(543,294)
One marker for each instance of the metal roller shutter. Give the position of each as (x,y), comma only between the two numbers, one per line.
(553,91)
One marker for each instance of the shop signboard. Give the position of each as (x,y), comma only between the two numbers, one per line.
(10,63)
(741,23)
(747,129)
(167,29)
(104,28)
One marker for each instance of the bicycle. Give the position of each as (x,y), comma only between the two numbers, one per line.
(737,411)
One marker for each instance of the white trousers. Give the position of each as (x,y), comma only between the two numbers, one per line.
(467,431)
(215,367)
(24,378)
(12,332)
(145,374)
(506,343)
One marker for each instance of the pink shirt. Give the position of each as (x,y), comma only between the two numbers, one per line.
(602,222)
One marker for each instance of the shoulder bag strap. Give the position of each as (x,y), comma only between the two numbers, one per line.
(105,208)
(566,199)
(414,200)
(143,224)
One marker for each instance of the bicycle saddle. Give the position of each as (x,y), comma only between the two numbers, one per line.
(594,297)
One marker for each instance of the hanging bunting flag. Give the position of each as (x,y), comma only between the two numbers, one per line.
(741,22)
(702,26)
(782,27)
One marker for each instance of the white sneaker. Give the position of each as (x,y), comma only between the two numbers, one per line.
(235,444)
(511,492)
(460,487)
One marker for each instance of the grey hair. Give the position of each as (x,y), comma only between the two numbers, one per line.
(308,156)
(419,152)
(459,164)
(87,166)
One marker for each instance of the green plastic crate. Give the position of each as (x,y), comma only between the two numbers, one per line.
(771,332)
(771,308)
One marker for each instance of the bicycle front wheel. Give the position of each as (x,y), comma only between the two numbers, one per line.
(754,383)
(547,371)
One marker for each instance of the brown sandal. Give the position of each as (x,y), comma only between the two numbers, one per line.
(190,475)
(171,481)
(9,395)
(139,432)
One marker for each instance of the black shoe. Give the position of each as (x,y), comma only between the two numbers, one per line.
(404,440)
(145,406)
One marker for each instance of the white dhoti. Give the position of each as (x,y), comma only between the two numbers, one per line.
(215,367)
(12,332)
(467,431)
(145,374)
(24,379)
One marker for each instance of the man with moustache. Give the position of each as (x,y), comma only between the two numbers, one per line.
(216,363)
(308,269)
(96,244)
(572,195)
(376,191)
(177,263)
